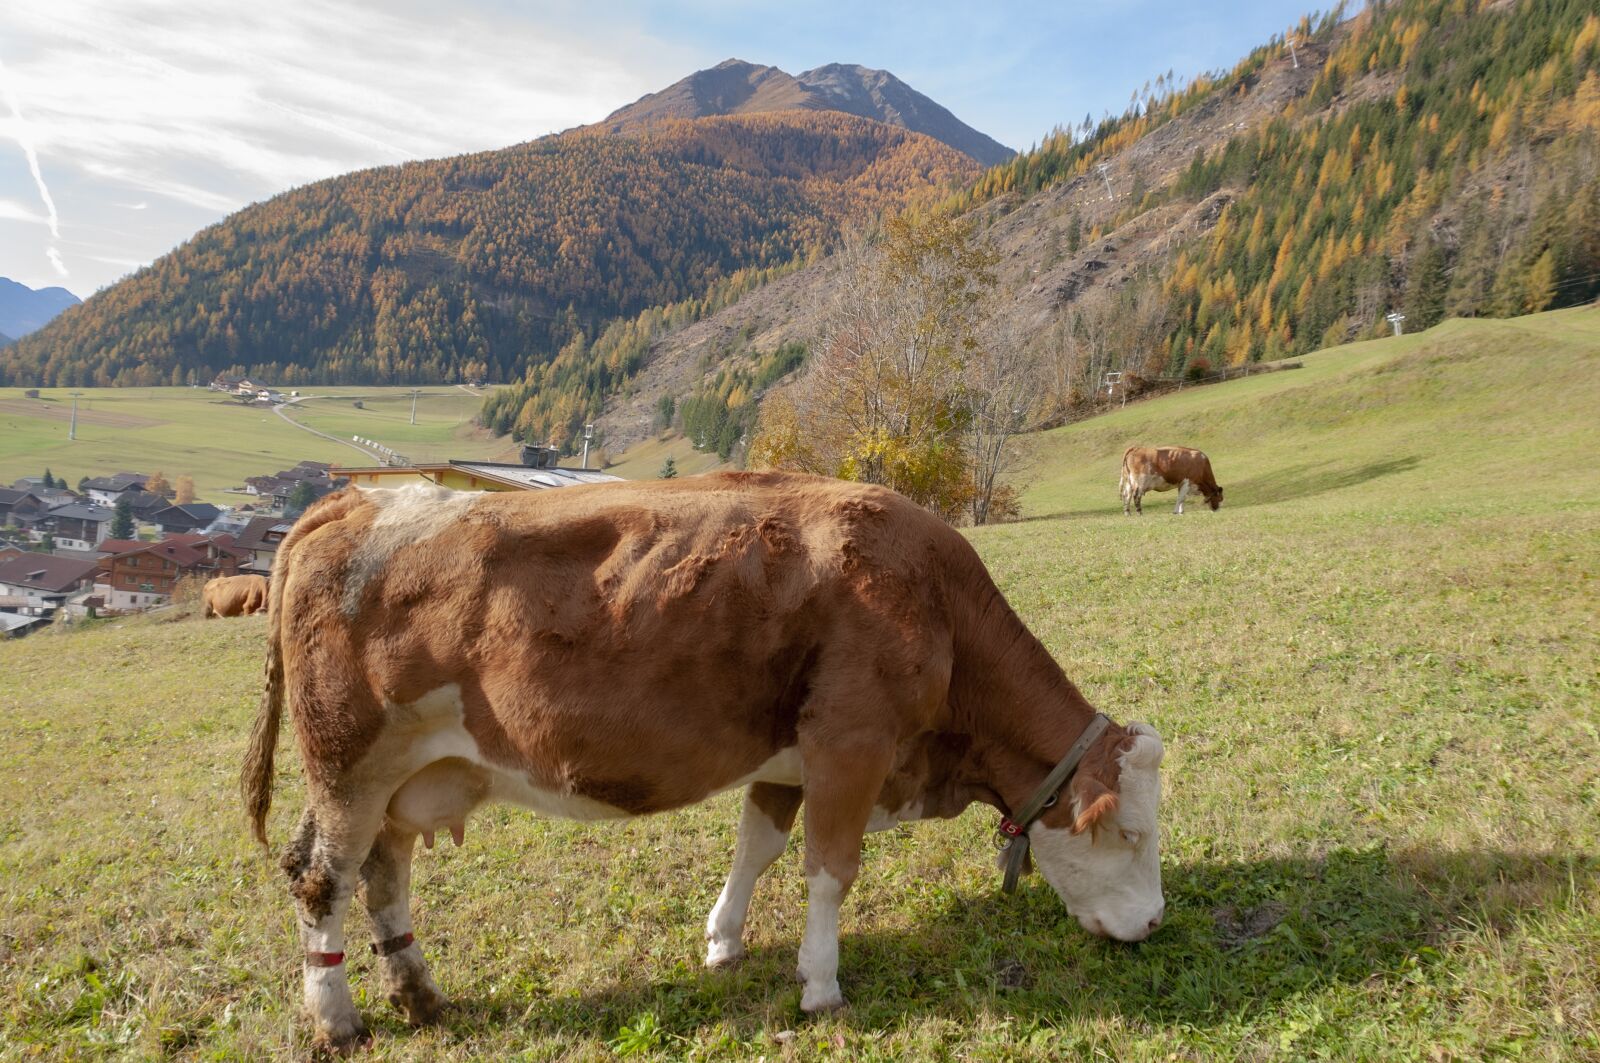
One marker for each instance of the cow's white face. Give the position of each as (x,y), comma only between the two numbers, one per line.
(1110,876)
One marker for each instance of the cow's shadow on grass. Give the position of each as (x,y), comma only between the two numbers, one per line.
(1309,478)
(1240,938)
(1081,513)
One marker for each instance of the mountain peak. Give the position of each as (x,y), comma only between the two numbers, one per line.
(736,86)
(24,309)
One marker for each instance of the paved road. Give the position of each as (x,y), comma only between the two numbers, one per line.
(280,410)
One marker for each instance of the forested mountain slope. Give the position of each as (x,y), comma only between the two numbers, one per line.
(478,266)
(1433,157)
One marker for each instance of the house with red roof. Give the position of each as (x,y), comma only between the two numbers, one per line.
(139,575)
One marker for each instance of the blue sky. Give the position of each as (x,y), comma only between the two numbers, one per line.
(127,125)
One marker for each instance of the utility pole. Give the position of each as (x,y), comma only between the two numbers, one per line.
(414,393)
(588,434)
(72,429)
(1394,317)
(1105,174)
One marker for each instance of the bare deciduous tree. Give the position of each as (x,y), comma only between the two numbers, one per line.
(1002,390)
(911,386)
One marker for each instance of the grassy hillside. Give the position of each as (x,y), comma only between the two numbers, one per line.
(1376,669)
(218,442)
(1469,409)
(644,461)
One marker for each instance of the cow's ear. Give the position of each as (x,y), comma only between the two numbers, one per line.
(1091,800)
(1146,749)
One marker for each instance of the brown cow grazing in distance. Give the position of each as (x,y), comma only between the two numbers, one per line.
(620,649)
(235,596)
(1162,469)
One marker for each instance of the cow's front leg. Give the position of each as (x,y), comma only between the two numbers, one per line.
(764,827)
(1183,492)
(321,863)
(386,889)
(842,785)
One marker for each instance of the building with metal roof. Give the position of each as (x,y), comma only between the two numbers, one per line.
(476,475)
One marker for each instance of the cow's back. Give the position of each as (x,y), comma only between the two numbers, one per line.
(1184,463)
(604,633)
(228,596)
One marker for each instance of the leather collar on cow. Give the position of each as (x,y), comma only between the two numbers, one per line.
(1013,833)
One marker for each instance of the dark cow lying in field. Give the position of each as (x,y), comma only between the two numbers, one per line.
(615,650)
(1162,469)
(235,596)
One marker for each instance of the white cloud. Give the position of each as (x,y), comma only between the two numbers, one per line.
(23,134)
(208,107)
(11,210)
(182,191)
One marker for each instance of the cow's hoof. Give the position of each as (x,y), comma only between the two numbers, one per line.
(342,1041)
(724,953)
(421,1004)
(821,998)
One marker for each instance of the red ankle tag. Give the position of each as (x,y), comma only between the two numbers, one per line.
(393,945)
(324,959)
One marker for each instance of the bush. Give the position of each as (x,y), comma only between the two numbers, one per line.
(1197,369)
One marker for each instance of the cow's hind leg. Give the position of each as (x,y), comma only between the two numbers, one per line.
(842,785)
(386,889)
(322,862)
(764,827)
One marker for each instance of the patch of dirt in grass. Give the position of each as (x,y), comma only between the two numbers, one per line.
(1010,973)
(1235,926)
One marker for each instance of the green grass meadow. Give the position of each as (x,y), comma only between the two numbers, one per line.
(643,461)
(220,442)
(444,427)
(1376,670)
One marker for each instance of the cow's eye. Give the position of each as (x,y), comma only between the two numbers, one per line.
(1131,837)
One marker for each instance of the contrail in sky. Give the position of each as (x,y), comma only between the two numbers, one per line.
(25,138)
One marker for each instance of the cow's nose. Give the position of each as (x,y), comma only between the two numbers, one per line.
(1151,929)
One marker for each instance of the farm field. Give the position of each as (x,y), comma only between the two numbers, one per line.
(444,427)
(1376,670)
(219,442)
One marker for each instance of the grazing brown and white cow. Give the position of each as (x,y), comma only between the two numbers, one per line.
(234,596)
(1163,468)
(616,650)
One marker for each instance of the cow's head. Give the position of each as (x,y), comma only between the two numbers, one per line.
(1214,498)
(1103,855)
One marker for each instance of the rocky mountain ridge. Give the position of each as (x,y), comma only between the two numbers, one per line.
(735,86)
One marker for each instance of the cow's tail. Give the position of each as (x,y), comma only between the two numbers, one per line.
(255,778)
